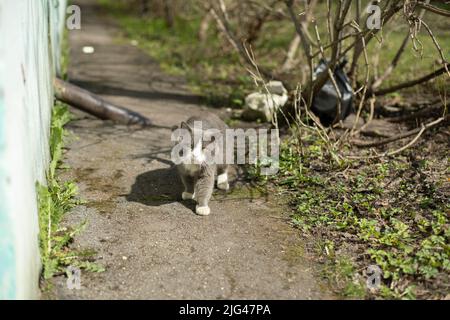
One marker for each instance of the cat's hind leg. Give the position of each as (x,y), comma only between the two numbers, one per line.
(222,178)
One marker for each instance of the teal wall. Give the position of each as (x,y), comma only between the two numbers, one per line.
(30,39)
(7,262)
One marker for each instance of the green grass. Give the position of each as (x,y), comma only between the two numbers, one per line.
(374,212)
(55,200)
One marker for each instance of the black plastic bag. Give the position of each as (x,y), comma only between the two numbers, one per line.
(325,103)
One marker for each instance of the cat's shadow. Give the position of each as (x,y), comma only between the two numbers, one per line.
(158,187)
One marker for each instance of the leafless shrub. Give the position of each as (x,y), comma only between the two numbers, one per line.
(348,35)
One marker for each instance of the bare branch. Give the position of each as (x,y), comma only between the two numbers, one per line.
(438,47)
(292,51)
(401,135)
(223,23)
(300,28)
(295,43)
(370,34)
(434,9)
(204,26)
(377,83)
(413,83)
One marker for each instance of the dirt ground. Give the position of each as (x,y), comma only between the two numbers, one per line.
(152,244)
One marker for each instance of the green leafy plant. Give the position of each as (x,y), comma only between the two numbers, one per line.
(55,199)
(404,230)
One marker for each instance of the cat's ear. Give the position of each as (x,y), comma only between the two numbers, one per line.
(211,135)
(184,125)
(174,128)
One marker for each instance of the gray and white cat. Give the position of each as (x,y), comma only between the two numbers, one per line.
(199,172)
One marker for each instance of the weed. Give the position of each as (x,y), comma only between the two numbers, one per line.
(55,199)
(383,213)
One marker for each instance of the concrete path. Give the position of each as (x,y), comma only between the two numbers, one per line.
(152,244)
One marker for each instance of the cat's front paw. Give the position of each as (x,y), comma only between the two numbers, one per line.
(202,211)
(187,196)
(222,182)
(223,186)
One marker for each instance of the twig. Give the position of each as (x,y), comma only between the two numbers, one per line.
(412,83)
(392,66)
(434,9)
(400,136)
(290,56)
(366,83)
(438,47)
(224,25)
(300,28)
(372,112)
(325,47)
(330,74)
(370,34)
(377,83)
(424,112)
(295,43)
(413,141)
(204,26)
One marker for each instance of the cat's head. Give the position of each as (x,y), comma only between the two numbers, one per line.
(198,144)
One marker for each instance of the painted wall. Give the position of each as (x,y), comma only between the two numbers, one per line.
(30,37)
